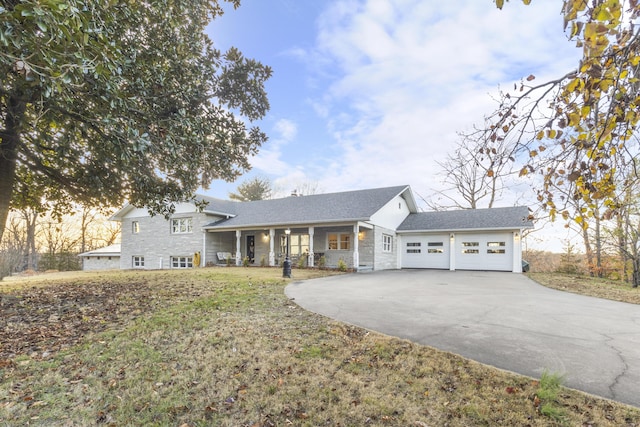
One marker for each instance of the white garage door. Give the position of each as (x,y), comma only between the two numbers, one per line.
(425,251)
(486,251)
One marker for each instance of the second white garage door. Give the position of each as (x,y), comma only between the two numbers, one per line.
(479,251)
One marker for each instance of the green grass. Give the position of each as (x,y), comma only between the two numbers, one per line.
(548,393)
(225,347)
(593,286)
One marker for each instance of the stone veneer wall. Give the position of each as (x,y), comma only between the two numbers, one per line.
(157,244)
(385,260)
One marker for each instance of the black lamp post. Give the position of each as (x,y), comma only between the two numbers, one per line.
(286,265)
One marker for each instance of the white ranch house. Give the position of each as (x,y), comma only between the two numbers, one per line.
(373,229)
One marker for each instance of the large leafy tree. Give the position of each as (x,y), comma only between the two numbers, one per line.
(103,101)
(578,128)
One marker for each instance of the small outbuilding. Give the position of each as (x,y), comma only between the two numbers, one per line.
(107,258)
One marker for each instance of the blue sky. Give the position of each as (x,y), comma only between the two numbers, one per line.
(371,93)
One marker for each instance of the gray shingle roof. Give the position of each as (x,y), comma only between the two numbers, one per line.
(346,206)
(470,219)
(219,206)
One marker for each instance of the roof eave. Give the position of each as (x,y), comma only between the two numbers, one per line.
(459,230)
(219,213)
(407,195)
(283,224)
(91,254)
(120,213)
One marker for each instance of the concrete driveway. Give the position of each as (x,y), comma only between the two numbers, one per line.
(500,319)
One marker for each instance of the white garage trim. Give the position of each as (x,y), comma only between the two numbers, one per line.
(488,250)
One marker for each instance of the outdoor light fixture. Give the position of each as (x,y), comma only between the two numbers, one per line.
(286,265)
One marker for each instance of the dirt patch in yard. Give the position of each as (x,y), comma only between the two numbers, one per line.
(40,320)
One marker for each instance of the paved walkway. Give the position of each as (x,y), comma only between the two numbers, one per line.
(500,319)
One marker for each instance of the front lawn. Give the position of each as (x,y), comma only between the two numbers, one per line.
(580,284)
(225,347)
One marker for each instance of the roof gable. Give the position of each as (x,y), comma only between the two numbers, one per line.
(214,206)
(469,219)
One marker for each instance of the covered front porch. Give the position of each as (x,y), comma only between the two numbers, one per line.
(307,246)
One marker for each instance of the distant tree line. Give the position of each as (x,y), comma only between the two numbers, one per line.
(39,241)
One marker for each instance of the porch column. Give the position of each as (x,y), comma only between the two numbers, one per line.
(238,243)
(272,253)
(310,260)
(356,249)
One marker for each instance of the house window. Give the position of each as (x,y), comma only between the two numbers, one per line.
(467,247)
(339,241)
(181,261)
(138,261)
(181,225)
(387,243)
(414,247)
(435,247)
(298,244)
(135,227)
(496,247)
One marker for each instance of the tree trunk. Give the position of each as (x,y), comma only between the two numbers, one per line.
(622,223)
(598,241)
(9,140)
(588,250)
(30,217)
(636,272)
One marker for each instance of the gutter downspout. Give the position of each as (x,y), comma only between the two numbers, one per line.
(203,260)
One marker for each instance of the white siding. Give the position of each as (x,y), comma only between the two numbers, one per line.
(92,263)
(392,214)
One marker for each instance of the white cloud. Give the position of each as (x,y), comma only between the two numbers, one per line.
(412,73)
(269,158)
(286,129)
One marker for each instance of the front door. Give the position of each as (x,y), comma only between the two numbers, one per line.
(251,248)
